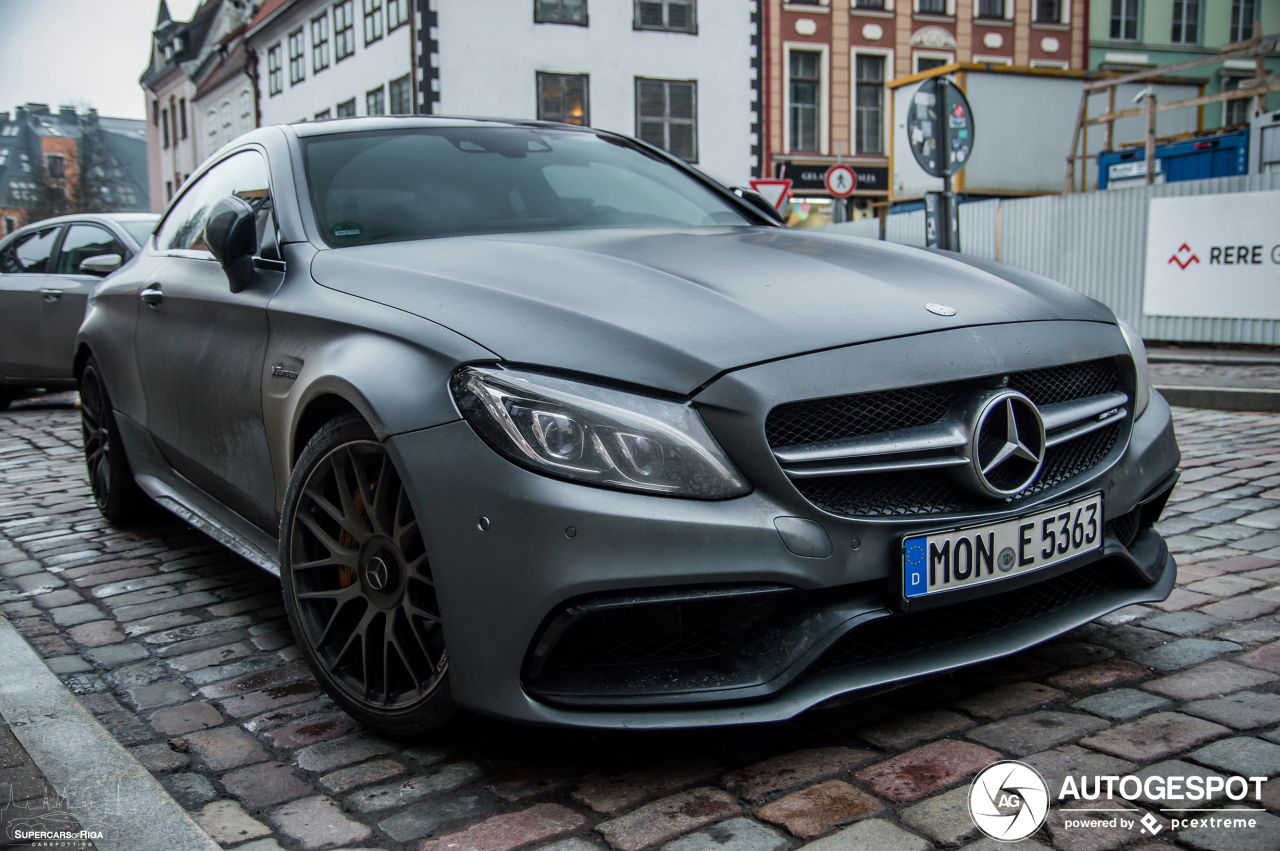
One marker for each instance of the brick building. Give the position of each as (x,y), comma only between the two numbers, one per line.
(827,63)
(43,153)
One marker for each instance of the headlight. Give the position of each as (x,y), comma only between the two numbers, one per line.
(595,434)
(1142,395)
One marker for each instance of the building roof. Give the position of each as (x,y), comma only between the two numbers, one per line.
(266,13)
(193,33)
(228,60)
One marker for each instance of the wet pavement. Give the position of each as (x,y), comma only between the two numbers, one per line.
(182,651)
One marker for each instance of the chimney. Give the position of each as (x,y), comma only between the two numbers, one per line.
(4,117)
(37,108)
(66,111)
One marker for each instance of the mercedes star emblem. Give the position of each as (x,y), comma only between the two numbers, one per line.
(1006,445)
(377,574)
(940,309)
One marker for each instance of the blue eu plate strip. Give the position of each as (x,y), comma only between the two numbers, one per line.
(913,572)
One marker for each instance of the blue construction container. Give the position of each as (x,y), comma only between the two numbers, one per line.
(1221,155)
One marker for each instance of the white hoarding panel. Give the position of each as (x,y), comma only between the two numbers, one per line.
(1214,256)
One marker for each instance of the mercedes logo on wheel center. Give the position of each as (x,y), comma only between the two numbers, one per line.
(1008,800)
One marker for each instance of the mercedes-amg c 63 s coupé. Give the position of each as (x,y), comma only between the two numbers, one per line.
(541,422)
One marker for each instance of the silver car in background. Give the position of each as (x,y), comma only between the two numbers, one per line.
(47,271)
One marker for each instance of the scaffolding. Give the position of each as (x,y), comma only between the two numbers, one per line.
(1259,86)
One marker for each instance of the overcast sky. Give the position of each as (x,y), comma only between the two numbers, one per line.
(82,52)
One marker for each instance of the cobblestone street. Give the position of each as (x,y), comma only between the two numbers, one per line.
(182,651)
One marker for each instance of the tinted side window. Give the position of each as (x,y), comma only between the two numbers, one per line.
(83,242)
(243,175)
(29,253)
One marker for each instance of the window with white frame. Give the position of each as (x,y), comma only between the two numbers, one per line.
(227,136)
(991,9)
(297,57)
(1124,20)
(1242,15)
(344,29)
(320,43)
(666,116)
(931,7)
(869,4)
(397,14)
(927,61)
(347,109)
(869,103)
(372,21)
(10,225)
(1186,22)
(1048,11)
(401,95)
(804,89)
(563,98)
(211,131)
(375,101)
(275,73)
(324,115)
(671,15)
(560,12)
(246,111)
(55,166)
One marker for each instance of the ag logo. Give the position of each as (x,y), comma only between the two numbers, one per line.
(1184,256)
(1008,800)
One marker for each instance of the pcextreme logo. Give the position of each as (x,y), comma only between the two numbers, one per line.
(1184,250)
(1010,800)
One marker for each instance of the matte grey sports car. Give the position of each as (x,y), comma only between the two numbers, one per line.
(47,271)
(540,421)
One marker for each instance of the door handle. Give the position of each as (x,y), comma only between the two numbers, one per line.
(51,295)
(152,295)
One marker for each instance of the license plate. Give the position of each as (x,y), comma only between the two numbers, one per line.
(950,560)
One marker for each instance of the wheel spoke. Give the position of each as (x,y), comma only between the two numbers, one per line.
(335,549)
(325,505)
(415,570)
(345,560)
(378,517)
(358,631)
(333,618)
(351,520)
(417,636)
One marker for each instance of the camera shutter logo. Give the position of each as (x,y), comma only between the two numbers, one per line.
(1008,800)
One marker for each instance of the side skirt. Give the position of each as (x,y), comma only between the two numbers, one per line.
(176,494)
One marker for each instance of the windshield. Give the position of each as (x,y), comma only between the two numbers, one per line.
(139,230)
(451,181)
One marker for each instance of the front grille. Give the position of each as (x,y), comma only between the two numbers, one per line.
(836,417)
(910,493)
(820,420)
(1064,383)
(666,631)
(901,635)
(1125,527)
(914,493)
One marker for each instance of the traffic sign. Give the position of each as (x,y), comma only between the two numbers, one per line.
(775,192)
(841,180)
(940,127)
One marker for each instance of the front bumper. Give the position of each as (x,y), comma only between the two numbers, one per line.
(547,542)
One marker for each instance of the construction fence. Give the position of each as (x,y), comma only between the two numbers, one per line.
(1094,242)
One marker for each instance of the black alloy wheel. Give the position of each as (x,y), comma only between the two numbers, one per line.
(358,583)
(115,492)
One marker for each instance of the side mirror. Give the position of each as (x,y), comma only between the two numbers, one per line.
(101,265)
(232,235)
(755,199)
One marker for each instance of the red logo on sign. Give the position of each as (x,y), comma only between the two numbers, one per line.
(1183,264)
(958,110)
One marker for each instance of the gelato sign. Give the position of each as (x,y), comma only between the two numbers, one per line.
(1214,256)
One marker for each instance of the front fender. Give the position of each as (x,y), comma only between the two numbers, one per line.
(391,366)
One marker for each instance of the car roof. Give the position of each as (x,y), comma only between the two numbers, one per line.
(331,126)
(101,218)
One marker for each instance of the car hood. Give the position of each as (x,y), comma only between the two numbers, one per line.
(671,309)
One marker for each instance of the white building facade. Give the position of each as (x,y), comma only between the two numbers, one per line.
(320,59)
(681,74)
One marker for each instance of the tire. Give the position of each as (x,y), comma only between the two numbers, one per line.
(115,492)
(357,584)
